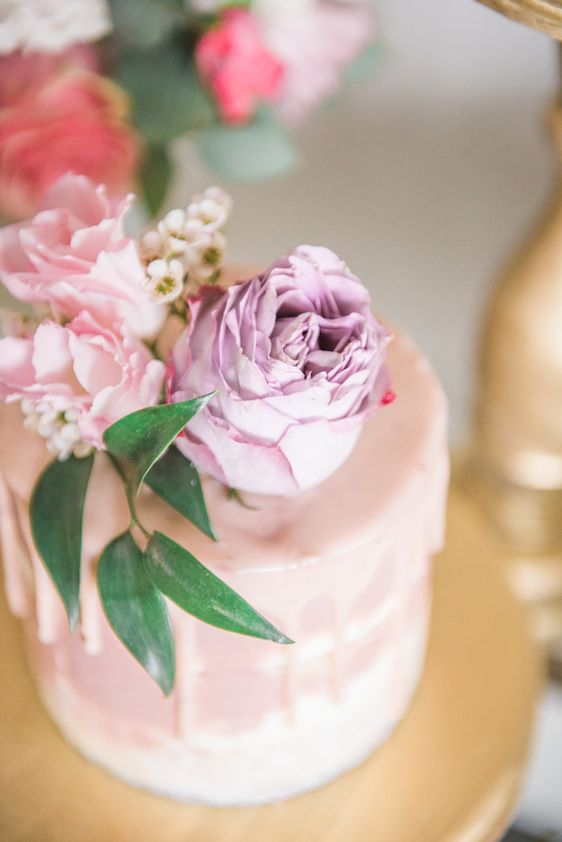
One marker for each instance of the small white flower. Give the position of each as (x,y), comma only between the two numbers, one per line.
(204,256)
(59,429)
(172,223)
(187,248)
(151,245)
(212,208)
(48,423)
(82,449)
(31,420)
(165,279)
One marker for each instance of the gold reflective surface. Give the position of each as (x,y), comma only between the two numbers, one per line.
(519,417)
(544,15)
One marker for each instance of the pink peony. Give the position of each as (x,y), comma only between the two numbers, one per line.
(81,374)
(75,121)
(74,256)
(234,61)
(315,40)
(297,361)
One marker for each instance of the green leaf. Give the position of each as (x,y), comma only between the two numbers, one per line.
(252,152)
(184,580)
(138,440)
(175,479)
(155,176)
(366,63)
(136,610)
(168,97)
(145,23)
(56,510)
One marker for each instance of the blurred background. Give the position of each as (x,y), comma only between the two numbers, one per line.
(424,178)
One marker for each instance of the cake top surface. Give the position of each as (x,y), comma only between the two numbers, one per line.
(350,507)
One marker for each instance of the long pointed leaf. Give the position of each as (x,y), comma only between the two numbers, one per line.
(139,439)
(184,580)
(57,509)
(175,479)
(136,610)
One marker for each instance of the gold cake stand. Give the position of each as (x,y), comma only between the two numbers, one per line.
(450,773)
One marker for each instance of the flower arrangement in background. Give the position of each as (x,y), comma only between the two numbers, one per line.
(103,88)
(139,353)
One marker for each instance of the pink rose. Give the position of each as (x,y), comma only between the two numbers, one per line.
(74,122)
(297,361)
(233,60)
(23,75)
(77,379)
(74,256)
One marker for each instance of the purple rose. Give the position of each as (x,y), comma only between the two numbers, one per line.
(297,362)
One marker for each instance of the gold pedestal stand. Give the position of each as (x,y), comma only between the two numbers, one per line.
(450,773)
(513,471)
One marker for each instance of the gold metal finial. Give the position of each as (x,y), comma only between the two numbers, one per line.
(544,15)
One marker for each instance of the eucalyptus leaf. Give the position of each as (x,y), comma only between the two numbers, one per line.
(168,97)
(155,176)
(56,511)
(175,479)
(146,23)
(366,63)
(252,152)
(136,441)
(136,610)
(184,580)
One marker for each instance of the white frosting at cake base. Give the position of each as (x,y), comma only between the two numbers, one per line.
(273,762)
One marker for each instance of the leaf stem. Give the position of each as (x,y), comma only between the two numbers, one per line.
(130,501)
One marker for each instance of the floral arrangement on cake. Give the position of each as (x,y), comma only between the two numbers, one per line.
(233,76)
(140,353)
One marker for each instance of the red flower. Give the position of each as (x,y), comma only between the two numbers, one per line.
(233,60)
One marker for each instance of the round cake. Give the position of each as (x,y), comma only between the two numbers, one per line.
(343,568)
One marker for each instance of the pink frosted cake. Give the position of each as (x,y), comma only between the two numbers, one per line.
(329,536)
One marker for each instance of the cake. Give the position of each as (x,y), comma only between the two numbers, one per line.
(339,562)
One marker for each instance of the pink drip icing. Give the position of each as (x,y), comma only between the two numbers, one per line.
(48,608)
(337,677)
(184,695)
(90,622)
(14,555)
(291,689)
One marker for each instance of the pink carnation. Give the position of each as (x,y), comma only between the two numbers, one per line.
(74,256)
(75,121)
(82,371)
(297,363)
(240,70)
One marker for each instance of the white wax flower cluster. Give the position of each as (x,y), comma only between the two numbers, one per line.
(187,247)
(60,429)
(51,26)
